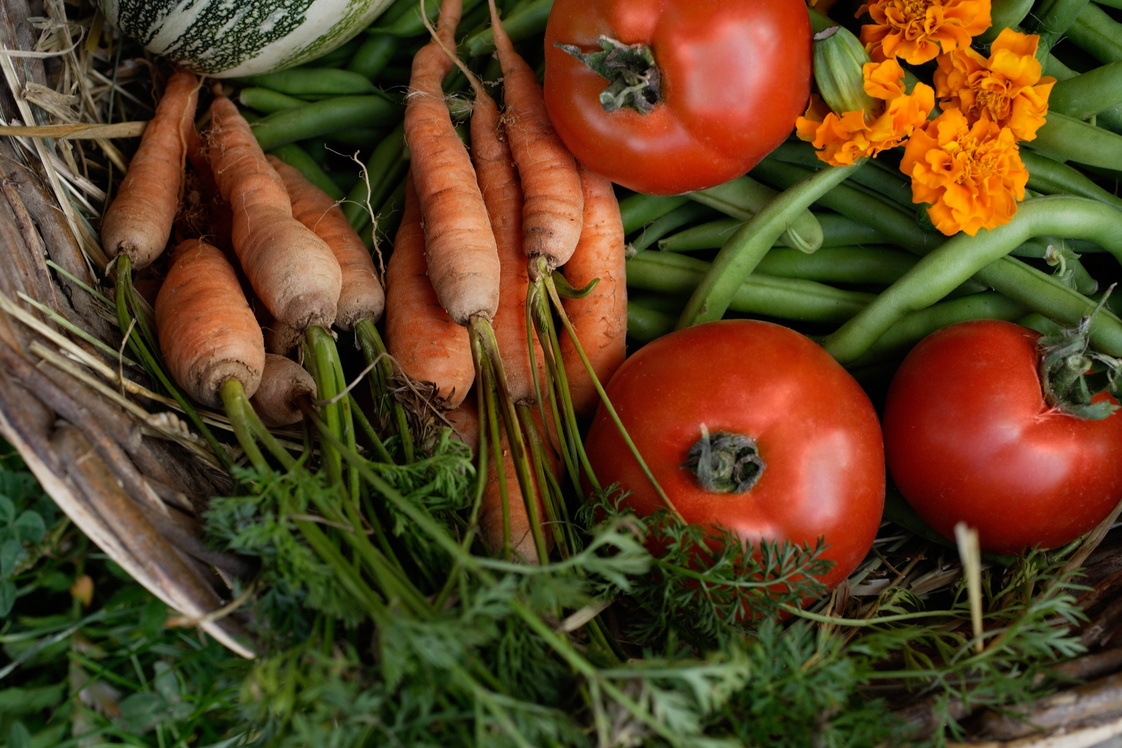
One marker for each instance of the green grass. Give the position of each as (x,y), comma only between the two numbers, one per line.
(87,655)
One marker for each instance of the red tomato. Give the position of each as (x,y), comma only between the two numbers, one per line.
(733,76)
(814,428)
(970,438)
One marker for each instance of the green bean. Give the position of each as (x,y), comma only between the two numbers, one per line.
(1089,93)
(1009,276)
(314,82)
(962,256)
(914,327)
(744,197)
(338,57)
(783,298)
(891,223)
(1070,139)
(877,265)
(837,231)
(645,324)
(525,19)
(325,117)
(266,100)
(1052,177)
(1097,33)
(882,179)
(737,258)
(297,157)
(1054,18)
(637,210)
(388,215)
(386,166)
(1005,14)
(709,235)
(1110,3)
(360,137)
(372,55)
(659,227)
(409,22)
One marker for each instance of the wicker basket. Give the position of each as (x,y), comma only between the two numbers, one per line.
(82,417)
(78,415)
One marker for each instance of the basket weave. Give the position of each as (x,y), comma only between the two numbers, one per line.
(135,482)
(130,481)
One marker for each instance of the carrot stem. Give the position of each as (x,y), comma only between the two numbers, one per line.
(609,407)
(237,408)
(130,316)
(374,351)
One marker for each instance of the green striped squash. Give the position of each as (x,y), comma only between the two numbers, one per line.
(228,38)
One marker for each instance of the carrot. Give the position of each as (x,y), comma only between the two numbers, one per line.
(552,214)
(280,338)
(463,259)
(507,520)
(285,387)
(464,420)
(138,222)
(421,337)
(292,271)
(207,331)
(599,319)
(362,296)
(502,194)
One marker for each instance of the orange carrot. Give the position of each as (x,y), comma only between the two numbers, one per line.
(553,202)
(600,318)
(208,334)
(494,514)
(422,338)
(463,259)
(292,271)
(464,420)
(362,296)
(285,387)
(138,222)
(502,194)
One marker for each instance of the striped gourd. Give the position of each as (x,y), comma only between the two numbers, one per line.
(226,38)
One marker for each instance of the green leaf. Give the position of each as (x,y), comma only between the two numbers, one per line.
(12,553)
(7,510)
(15,701)
(142,711)
(7,597)
(166,683)
(30,527)
(19,736)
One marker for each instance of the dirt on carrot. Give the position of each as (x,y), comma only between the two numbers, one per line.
(286,390)
(362,296)
(292,271)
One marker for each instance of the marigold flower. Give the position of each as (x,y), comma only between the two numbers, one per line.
(918,30)
(844,139)
(970,175)
(1007,88)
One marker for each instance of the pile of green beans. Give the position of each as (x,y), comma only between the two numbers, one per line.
(841,253)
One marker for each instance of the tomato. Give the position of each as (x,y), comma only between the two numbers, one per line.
(814,430)
(733,75)
(970,438)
